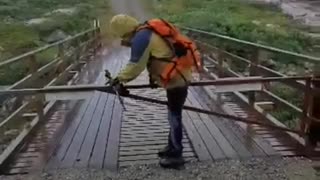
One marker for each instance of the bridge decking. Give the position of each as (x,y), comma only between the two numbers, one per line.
(100,134)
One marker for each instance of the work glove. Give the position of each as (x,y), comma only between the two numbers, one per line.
(117,86)
(154,85)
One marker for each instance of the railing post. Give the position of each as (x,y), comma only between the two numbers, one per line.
(307,101)
(220,58)
(78,50)
(32,64)
(61,55)
(253,72)
(220,63)
(96,36)
(39,105)
(61,52)
(313,127)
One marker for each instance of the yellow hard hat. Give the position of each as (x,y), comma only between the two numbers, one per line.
(122,24)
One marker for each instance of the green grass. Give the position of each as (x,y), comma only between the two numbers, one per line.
(17,38)
(237,19)
(14,35)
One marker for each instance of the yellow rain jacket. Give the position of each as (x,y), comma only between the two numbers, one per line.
(146,47)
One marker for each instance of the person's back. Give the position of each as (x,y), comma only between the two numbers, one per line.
(159,54)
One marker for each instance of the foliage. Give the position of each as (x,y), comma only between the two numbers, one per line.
(237,19)
(16,37)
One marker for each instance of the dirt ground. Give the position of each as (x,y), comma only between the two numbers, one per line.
(262,169)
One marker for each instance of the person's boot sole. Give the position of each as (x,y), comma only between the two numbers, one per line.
(173,165)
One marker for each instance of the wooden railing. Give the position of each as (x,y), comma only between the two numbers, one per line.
(69,56)
(218,61)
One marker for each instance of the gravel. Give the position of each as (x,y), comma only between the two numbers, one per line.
(262,169)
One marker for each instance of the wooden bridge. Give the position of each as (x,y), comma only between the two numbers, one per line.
(98,133)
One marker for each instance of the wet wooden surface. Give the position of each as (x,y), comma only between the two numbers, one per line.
(99,134)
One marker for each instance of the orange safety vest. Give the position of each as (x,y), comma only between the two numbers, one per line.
(185,52)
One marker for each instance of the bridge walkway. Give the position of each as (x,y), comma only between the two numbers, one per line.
(97,133)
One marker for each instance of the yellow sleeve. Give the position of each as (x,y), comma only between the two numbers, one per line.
(132,70)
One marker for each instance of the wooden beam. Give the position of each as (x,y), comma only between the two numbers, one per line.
(269,72)
(265,105)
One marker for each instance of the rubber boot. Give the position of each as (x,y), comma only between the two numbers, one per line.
(165,152)
(172,162)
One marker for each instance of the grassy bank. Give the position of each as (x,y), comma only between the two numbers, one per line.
(26,25)
(236,18)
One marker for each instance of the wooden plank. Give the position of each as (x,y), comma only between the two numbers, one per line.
(197,143)
(147,139)
(62,147)
(16,143)
(153,124)
(98,152)
(259,141)
(153,147)
(256,140)
(88,144)
(225,128)
(112,150)
(130,129)
(75,146)
(145,119)
(148,157)
(242,146)
(137,136)
(143,131)
(214,130)
(143,142)
(111,156)
(210,142)
(146,152)
(15,171)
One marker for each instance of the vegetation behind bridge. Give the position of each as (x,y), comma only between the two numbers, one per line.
(27,24)
(20,30)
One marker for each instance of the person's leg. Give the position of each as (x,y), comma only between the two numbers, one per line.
(176,99)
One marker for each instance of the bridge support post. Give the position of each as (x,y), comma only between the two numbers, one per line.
(61,55)
(254,61)
(220,59)
(313,124)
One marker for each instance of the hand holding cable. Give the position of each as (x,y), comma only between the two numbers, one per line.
(117,87)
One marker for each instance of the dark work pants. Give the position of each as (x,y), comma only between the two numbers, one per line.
(176,99)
